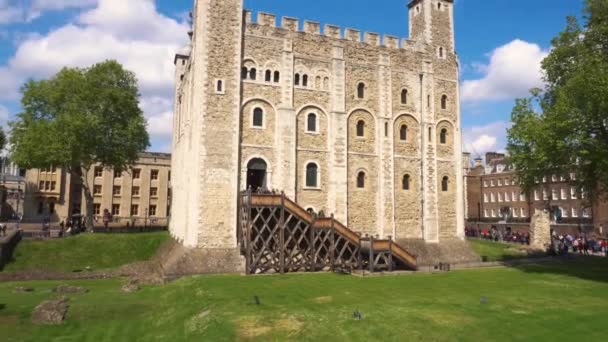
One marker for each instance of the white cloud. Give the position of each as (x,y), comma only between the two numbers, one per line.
(10,12)
(3,117)
(132,32)
(486,138)
(512,71)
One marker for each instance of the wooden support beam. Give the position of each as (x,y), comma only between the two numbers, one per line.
(282,235)
(390,253)
(371,254)
(311,248)
(332,249)
(248,257)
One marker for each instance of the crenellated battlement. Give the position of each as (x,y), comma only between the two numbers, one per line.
(331,31)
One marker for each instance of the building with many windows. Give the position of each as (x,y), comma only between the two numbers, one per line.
(12,189)
(140,194)
(363,126)
(494,194)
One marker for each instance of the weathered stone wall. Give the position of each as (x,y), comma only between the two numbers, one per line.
(448,217)
(408,205)
(362,202)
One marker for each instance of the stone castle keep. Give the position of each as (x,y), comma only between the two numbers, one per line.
(363,126)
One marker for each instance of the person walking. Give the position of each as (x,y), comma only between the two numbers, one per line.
(107,217)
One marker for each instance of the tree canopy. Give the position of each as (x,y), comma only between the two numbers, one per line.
(78,118)
(563,129)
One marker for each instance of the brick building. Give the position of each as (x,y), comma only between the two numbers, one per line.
(363,126)
(494,194)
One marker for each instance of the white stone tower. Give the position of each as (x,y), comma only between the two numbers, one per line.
(206,133)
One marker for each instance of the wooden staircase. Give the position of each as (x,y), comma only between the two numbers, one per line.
(276,235)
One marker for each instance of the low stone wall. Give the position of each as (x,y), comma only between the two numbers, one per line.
(177,261)
(7,246)
(450,251)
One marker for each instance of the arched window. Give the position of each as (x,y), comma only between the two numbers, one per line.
(244,73)
(440,52)
(444,183)
(253,74)
(439,5)
(311,122)
(361,90)
(305,81)
(386,129)
(318,82)
(311,175)
(268,76)
(326,83)
(361,128)
(361,180)
(443,136)
(277,77)
(430,136)
(406,182)
(403,132)
(404,96)
(444,102)
(220,86)
(297,80)
(258,117)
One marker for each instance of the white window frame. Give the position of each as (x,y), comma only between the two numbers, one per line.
(586,213)
(564,194)
(573,194)
(574,212)
(554,195)
(485,198)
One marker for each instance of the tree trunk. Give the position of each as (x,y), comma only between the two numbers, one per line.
(88,197)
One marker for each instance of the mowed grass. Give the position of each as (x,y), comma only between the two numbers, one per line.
(549,302)
(97,251)
(496,251)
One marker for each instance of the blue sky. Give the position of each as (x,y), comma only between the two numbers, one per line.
(500,44)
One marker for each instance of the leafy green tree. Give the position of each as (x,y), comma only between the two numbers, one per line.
(563,129)
(79,118)
(2,139)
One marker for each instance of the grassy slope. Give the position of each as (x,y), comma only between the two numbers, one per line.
(532,303)
(99,251)
(496,251)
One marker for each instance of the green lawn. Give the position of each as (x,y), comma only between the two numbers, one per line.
(497,251)
(98,251)
(550,302)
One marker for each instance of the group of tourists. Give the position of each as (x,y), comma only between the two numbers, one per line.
(498,235)
(564,244)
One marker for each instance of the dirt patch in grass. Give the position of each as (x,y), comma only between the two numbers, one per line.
(198,322)
(251,327)
(323,300)
(9,320)
(288,324)
(447,318)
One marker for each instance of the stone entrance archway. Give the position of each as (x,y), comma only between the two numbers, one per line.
(257,174)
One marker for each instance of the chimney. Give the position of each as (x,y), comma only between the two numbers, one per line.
(478,162)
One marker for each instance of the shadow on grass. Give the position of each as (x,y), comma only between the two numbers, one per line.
(2,306)
(589,268)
